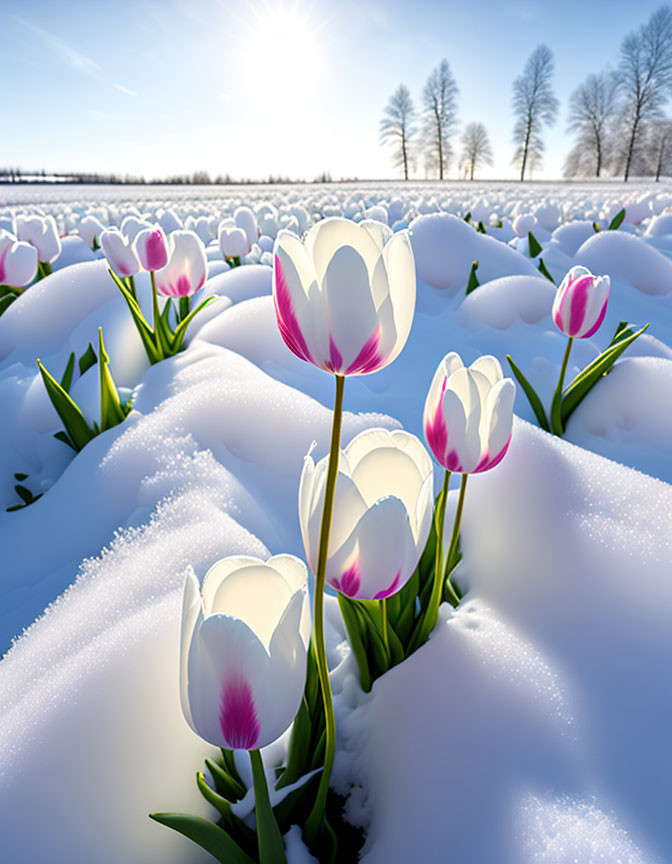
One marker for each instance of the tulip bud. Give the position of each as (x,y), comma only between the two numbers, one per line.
(186,269)
(18,261)
(42,233)
(581,303)
(468,414)
(233,242)
(89,229)
(382,513)
(151,249)
(344,299)
(243,650)
(119,252)
(246,220)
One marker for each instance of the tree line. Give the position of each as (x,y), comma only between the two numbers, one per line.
(616,116)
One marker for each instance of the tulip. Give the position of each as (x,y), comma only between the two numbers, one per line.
(581,303)
(469,414)
(90,230)
(18,261)
(185,271)
(343,300)
(467,419)
(42,233)
(382,513)
(578,311)
(119,252)
(245,219)
(243,650)
(131,226)
(151,248)
(243,658)
(233,242)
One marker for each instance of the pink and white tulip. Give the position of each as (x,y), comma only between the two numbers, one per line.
(185,272)
(89,229)
(42,233)
(151,247)
(344,298)
(243,650)
(18,261)
(382,513)
(468,414)
(581,303)
(119,252)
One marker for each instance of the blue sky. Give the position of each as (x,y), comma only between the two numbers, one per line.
(292,87)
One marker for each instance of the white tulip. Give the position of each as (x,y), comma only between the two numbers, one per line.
(382,512)
(243,650)
(42,233)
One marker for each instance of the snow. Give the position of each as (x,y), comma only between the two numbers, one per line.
(533,726)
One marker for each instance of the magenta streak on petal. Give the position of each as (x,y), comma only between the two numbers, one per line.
(350,581)
(381,595)
(237,715)
(335,362)
(452,461)
(155,251)
(580,288)
(487,463)
(284,312)
(600,318)
(436,432)
(369,358)
(3,258)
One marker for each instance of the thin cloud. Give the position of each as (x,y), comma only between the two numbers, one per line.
(126,90)
(65,51)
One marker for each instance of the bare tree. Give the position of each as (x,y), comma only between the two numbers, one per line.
(535,106)
(398,126)
(476,150)
(439,109)
(645,77)
(658,148)
(592,109)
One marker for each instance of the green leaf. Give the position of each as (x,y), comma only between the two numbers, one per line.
(397,654)
(531,394)
(224,782)
(472,282)
(78,430)
(299,748)
(236,828)
(229,763)
(87,360)
(62,436)
(355,630)
(623,330)
(6,302)
(543,269)
(617,221)
(145,331)
(21,477)
(66,380)
(596,228)
(481,228)
(533,244)
(112,412)
(181,329)
(206,834)
(467,218)
(585,380)
(24,494)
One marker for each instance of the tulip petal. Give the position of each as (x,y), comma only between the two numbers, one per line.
(325,238)
(380,547)
(499,422)
(192,615)
(400,266)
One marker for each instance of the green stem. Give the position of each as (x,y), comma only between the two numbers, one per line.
(383,611)
(185,308)
(315,820)
(131,288)
(156,319)
(271,848)
(556,404)
(432,612)
(47,268)
(452,549)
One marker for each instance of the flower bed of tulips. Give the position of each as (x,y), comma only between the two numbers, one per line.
(334,599)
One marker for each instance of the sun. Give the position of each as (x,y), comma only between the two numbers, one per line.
(283,41)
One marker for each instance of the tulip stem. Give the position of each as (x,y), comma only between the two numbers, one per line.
(131,288)
(314,823)
(383,611)
(556,404)
(452,549)
(432,612)
(269,839)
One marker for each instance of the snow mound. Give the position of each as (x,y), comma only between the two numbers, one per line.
(629,258)
(501,302)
